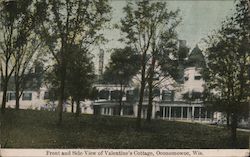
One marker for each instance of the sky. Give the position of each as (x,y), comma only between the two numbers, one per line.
(199,19)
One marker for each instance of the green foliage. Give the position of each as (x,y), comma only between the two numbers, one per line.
(81,74)
(227,55)
(124,64)
(149,28)
(19,43)
(70,23)
(79,79)
(34,80)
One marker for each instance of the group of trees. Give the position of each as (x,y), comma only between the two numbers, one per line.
(226,72)
(123,66)
(149,32)
(19,45)
(68,31)
(149,28)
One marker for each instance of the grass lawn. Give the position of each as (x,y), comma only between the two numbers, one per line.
(38,129)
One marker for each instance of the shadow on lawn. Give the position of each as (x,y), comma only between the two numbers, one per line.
(38,129)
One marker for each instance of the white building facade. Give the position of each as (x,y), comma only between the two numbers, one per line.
(168,104)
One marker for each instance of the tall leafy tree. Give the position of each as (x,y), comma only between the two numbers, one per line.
(226,73)
(72,23)
(18,22)
(81,76)
(142,26)
(124,65)
(25,57)
(165,60)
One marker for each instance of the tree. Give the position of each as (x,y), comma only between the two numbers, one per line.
(81,76)
(123,66)
(142,26)
(26,58)
(7,25)
(165,58)
(226,72)
(18,21)
(72,23)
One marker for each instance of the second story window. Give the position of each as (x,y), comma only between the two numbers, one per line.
(115,95)
(197,77)
(168,95)
(46,95)
(156,92)
(27,96)
(103,94)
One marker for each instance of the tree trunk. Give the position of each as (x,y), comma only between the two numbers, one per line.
(5,87)
(72,105)
(150,88)
(228,119)
(234,124)
(150,101)
(143,83)
(78,109)
(120,100)
(61,96)
(17,94)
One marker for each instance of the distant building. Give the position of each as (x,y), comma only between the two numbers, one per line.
(174,100)
(196,58)
(167,104)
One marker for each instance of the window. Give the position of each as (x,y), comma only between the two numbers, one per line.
(46,95)
(168,95)
(27,96)
(156,92)
(196,95)
(197,77)
(115,95)
(103,94)
(12,96)
(130,95)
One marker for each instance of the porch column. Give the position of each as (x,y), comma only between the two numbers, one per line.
(153,111)
(181,113)
(206,116)
(122,112)
(169,113)
(199,113)
(192,116)
(161,94)
(163,113)
(188,113)
(135,107)
(109,96)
